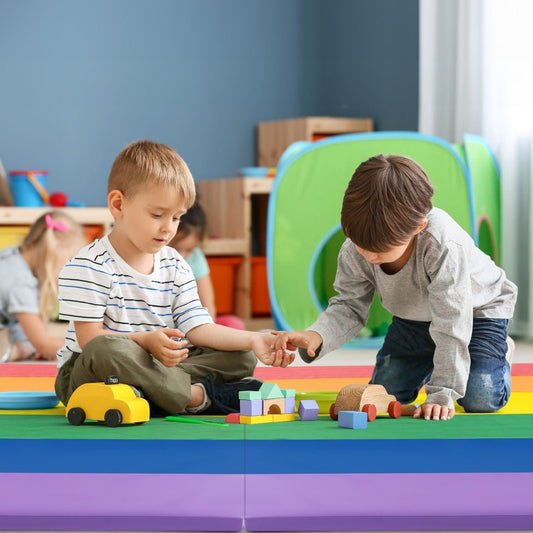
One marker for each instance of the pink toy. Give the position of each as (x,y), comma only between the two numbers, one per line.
(230,321)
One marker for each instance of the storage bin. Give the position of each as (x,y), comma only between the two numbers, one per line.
(12,235)
(223,270)
(259,288)
(24,192)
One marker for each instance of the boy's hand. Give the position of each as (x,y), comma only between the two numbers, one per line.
(160,344)
(433,411)
(290,340)
(262,346)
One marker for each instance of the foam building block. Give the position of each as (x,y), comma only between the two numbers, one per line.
(353,419)
(261,419)
(269,391)
(250,395)
(233,418)
(251,407)
(290,399)
(275,406)
(289,404)
(288,417)
(308,410)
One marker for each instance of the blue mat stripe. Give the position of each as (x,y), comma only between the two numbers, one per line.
(389,456)
(266,457)
(122,456)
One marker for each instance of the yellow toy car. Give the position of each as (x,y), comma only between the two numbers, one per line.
(111,402)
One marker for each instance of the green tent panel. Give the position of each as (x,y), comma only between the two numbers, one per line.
(304,235)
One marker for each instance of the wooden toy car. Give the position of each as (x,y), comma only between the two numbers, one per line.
(371,399)
(111,402)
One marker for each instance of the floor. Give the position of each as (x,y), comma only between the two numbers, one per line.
(523,351)
(523,354)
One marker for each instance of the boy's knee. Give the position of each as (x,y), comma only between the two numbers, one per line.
(249,362)
(107,345)
(478,404)
(482,396)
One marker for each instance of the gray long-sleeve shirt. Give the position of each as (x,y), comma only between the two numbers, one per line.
(447,281)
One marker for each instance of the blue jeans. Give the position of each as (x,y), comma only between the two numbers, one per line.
(405,363)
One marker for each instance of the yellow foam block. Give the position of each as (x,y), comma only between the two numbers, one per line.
(259,419)
(290,417)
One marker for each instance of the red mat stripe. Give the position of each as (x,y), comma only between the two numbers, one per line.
(27,370)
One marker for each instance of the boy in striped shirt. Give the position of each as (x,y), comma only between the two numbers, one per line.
(130,299)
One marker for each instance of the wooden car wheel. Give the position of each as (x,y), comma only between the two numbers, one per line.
(332,413)
(113,418)
(76,416)
(395,409)
(371,411)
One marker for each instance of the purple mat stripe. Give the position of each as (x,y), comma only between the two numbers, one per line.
(328,502)
(133,502)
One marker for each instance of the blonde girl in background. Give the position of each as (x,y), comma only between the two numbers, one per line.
(28,286)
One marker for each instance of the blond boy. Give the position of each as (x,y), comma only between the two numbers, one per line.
(129,297)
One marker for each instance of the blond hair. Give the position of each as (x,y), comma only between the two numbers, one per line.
(45,239)
(149,163)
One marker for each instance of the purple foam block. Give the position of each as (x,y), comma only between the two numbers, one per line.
(251,407)
(308,410)
(289,404)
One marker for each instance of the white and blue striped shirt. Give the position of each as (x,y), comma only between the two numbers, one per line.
(97,285)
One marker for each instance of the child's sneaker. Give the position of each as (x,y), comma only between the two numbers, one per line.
(225,396)
(510,350)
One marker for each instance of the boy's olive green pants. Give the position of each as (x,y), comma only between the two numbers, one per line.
(167,388)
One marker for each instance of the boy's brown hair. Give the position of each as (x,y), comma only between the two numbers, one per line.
(149,163)
(386,200)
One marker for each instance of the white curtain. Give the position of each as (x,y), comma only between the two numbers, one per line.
(476,76)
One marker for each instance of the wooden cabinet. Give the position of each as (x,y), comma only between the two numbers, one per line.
(15,221)
(273,137)
(236,220)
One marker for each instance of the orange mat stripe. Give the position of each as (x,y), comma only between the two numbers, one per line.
(519,384)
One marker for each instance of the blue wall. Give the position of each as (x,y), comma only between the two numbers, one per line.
(81,79)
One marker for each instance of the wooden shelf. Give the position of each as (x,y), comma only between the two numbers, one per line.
(228,204)
(25,216)
(274,136)
(224,246)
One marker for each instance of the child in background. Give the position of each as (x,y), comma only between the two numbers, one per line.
(450,303)
(131,300)
(28,285)
(189,236)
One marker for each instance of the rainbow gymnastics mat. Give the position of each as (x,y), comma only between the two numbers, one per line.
(471,472)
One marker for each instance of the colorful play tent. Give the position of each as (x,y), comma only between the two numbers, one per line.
(304,234)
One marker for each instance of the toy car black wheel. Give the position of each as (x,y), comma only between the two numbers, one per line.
(113,418)
(111,380)
(76,416)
